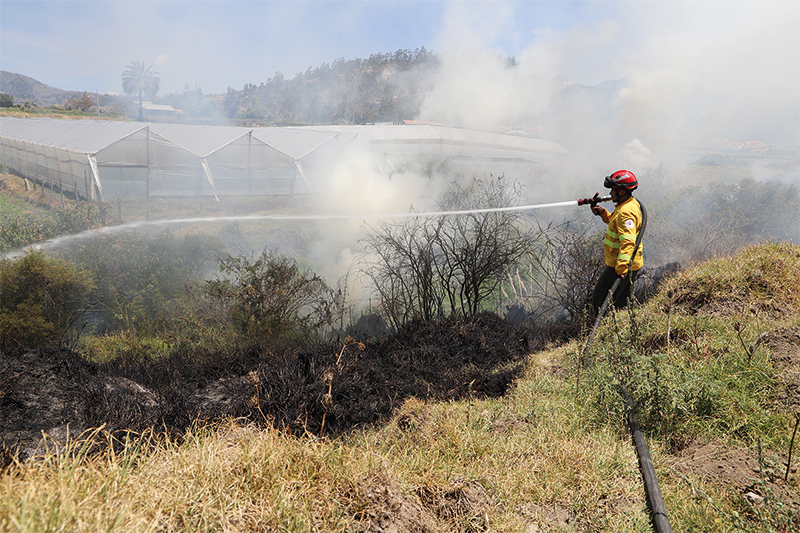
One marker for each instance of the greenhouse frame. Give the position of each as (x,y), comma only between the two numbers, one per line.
(133,160)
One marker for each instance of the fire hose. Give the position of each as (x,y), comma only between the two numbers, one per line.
(655,500)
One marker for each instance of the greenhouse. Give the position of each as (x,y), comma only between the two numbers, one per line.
(132,160)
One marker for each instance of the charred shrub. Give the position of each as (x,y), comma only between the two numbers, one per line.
(564,268)
(423,268)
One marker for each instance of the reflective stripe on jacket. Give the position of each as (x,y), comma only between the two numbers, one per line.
(623,228)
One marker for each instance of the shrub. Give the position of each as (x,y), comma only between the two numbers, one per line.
(564,269)
(141,281)
(42,297)
(270,299)
(425,267)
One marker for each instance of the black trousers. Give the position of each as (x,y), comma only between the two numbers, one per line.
(622,294)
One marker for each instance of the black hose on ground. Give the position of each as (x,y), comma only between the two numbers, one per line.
(658,511)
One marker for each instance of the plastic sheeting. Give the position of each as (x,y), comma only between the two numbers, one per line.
(131,160)
(453,143)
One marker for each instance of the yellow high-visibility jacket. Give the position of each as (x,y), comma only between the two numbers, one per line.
(624,225)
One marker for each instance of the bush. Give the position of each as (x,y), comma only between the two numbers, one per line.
(427,266)
(141,281)
(42,297)
(564,269)
(270,299)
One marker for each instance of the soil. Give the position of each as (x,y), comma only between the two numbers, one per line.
(738,469)
(784,346)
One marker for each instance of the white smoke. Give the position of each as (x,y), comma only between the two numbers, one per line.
(692,72)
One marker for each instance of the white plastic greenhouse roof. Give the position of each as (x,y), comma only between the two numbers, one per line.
(200,140)
(89,136)
(139,160)
(85,136)
(298,142)
(451,141)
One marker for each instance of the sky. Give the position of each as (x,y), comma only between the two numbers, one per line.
(220,44)
(702,68)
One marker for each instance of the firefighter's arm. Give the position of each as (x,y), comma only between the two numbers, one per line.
(627,242)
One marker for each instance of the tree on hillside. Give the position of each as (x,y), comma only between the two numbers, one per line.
(382,88)
(138,80)
(84,103)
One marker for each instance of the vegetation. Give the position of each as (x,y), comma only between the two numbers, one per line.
(42,298)
(551,453)
(695,359)
(31,217)
(138,80)
(84,103)
(697,223)
(561,275)
(269,298)
(63,112)
(382,88)
(427,267)
(27,229)
(141,284)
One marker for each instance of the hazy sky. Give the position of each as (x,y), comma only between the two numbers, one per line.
(220,44)
(703,62)
(216,44)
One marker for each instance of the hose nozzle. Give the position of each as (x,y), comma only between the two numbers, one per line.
(594,200)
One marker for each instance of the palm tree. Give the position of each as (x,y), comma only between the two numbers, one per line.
(136,79)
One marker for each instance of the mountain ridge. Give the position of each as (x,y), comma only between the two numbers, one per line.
(24,88)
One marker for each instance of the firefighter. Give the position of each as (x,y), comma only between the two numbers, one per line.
(622,255)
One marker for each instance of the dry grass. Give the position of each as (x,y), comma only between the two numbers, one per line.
(758,278)
(221,478)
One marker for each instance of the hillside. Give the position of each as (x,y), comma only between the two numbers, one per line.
(23,89)
(453,425)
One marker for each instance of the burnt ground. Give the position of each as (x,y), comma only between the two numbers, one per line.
(54,389)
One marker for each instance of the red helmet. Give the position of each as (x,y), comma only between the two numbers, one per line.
(621,178)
